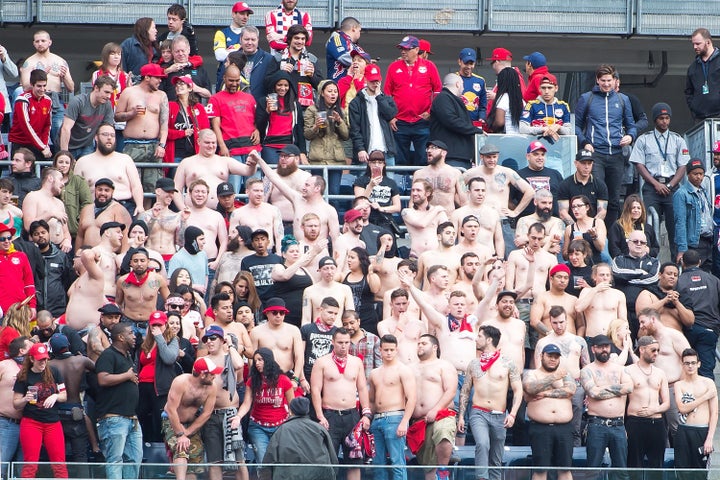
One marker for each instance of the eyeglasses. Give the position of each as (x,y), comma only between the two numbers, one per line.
(5,239)
(690,364)
(579,205)
(637,242)
(171,306)
(211,338)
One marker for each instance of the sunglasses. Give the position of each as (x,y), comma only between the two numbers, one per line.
(211,338)
(5,239)
(638,242)
(170,306)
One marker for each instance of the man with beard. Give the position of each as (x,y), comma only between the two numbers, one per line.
(575,355)
(145,109)
(235,332)
(58,270)
(548,390)
(258,214)
(137,291)
(209,221)
(45,204)
(490,232)
(363,344)
(84,115)
(554,227)
(189,394)
(421,219)
(537,175)
(103,210)
(86,294)
(445,255)
(350,238)
(106,163)
(607,386)
(469,241)
(469,267)
(98,339)
(546,300)
(489,376)
(311,237)
(701,89)
(239,244)
(648,401)
(664,299)
(209,167)
(445,180)
(326,287)
(288,171)
(164,225)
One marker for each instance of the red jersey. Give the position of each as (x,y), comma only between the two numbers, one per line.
(237,114)
(412,87)
(16,279)
(31,121)
(270,407)
(121,83)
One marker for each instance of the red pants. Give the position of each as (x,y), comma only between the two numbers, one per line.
(33,435)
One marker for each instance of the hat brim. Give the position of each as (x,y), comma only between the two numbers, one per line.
(276,308)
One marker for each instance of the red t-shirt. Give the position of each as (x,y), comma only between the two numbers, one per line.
(147,366)
(7,335)
(270,407)
(237,114)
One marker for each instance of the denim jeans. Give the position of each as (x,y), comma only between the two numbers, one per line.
(387,442)
(122,444)
(9,444)
(260,437)
(82,151)
(489,432)
(417,134)
(704,341)
(614,439)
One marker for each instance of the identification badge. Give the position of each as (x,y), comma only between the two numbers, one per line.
(705,90)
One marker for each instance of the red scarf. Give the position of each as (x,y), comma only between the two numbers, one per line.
(132,279)
(341,364)
(488,359)
(322,327)
(462,326)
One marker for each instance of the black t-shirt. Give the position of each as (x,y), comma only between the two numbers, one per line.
(36,411)
(317,344)
(261,269)
(594,189)
(547,178)
(382,194)
(120,399)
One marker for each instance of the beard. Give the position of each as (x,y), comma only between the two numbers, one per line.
(105,150)
(233,244)
(548,368)
(544,214)
(42,245)
(602,357)
(286,170)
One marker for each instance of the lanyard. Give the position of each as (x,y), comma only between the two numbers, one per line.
(663,153)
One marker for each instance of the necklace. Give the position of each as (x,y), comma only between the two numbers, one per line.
(647,374)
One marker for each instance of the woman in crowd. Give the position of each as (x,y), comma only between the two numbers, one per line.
(279,118)
(621,348)
(16,323)
(504,116)
(111,66)
(326,129)
(38,389)
(186,353)
(267,396)
(76,193)
(353,83)
(587,227)
(579,254)
(142,48)
(291,278)
(382,191)
(191,323)
(187,118)
(364,284)
(633,217)
(245,291)
(156,371)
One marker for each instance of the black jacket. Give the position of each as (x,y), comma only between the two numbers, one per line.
(24,183)
(59,275)
(360,123)
(704,105)
(700,292)
(450,122)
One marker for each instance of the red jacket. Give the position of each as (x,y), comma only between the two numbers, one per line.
(532,91)
(199,120)
(31,121)
(16,279)
(412,88)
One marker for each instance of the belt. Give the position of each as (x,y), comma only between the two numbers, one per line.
(608,422)
(219,411)
(16,421)
(348,411)
(646,419)
(140,141)
(110,415)
(392,413)
(487,410)
(529,301)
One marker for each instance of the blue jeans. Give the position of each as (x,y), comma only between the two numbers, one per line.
(615,439)
(416,134)
(704,341)
(10,450)
(260,437)
(387,441)
(57,116)
(271,155)
(122,444)
(489,432)
(82,151)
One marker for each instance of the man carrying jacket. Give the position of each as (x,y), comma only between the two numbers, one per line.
(604,125)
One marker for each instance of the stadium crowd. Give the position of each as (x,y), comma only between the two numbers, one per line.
(144,302)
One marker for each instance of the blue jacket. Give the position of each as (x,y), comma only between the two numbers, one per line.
(134,56)
(264,65)
(687,210)
(601,120)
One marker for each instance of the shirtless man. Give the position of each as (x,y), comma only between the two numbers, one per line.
(58,74)
(111,239)
(490,232)
(310,224)
(469,267)
(216,432)
(666,300)
(164,225)
(222,307)
(554,227)
(437,280)
(697,400)
(490,374)
(575,355)
(258,214)
(600,304)
(548,390)
(208,166)
(544,301)
(421,219)
(287,169)
(671,343)
(98,338)
(349,239)
(445,180)
(404,327)
(189,393)
(338,382)
(606,385)
(86,294)
(103,210)
(45,204)
(326,287)
(512,340)
(9,415)
(106,163)
(145,109)
(648,401)
(498,180)
(392,397)
(308,200)
(137,291)
(470,241)
(208,220)
(282,338)
(409,268)
(444,254)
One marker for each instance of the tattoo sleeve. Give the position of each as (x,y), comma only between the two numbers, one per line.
(465,392)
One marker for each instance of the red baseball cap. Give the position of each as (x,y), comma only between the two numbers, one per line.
(425,46)
(715,149)
(39,351)
(372,73)
(242,7)
(157,318)
(204,364)
(500,54)
(536,145)
(152,70)
(549,78)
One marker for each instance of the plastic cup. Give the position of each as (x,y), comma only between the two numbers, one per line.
(322,115)
(272,101)
(34,391)
(140,109)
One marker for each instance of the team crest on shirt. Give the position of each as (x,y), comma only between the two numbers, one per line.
(559,113)
(476,87)
(422,69)
(15,261)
